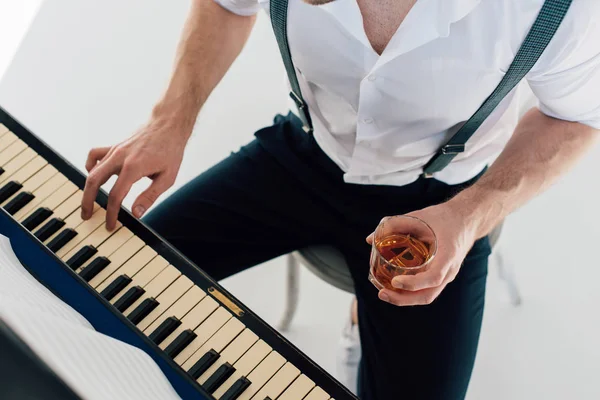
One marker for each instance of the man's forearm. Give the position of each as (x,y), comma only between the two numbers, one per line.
(540,151)
(211,40)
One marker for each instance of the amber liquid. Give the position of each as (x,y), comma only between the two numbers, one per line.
(401,251)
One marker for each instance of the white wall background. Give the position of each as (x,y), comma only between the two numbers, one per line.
(88,73)
(15,17)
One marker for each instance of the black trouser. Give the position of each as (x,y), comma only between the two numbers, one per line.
(281,193)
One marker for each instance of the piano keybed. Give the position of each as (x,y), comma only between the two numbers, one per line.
(208,340)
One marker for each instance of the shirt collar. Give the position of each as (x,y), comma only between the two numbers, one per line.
(426,21)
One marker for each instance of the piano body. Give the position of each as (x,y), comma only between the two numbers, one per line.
(132,285)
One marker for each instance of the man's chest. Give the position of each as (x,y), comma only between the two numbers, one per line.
(381,19)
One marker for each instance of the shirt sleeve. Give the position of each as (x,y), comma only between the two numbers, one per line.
(566,78)
(240,7)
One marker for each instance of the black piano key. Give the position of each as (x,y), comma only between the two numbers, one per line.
(167,327)
(115,287)
(94,268)
(180,343)
(129,298)
(61,239)
(268,398)
(204,363)
(20,201)
(1,171)
(81,257)
(49,229)
(8,190)
(36,218)
(236,389)
(142,310)
(218,377)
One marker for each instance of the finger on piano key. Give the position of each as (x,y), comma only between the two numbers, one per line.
(41,193)
(244,366)
(204,332)
(317,394)
(16,164)
(6,140)
(156,286)
(232,352)
(217,342)
(144,266)
(180,308)
(278,383)
(166,299)
(298,389)
(192,319)
(32,183)
(107,248)
(89,232)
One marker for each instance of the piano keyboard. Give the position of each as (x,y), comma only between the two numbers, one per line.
(215,341)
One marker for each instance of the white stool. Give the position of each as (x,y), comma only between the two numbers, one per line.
(329,264)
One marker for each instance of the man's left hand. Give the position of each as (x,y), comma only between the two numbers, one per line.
(455,235)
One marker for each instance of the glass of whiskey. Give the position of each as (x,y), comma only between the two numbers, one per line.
(402,245)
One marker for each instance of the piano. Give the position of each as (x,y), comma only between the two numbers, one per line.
(132,285)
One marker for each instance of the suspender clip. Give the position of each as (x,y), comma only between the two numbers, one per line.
(303,110)
(453,149)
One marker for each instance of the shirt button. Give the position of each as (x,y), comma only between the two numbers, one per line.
(368,120)
(372,77)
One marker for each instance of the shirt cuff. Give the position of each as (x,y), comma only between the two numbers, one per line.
(593,122)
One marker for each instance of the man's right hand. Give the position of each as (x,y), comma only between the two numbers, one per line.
(155,151)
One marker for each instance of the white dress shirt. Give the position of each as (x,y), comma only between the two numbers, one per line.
(382,117)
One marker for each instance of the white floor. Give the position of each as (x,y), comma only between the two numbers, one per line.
(84,77)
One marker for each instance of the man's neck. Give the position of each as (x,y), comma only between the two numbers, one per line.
(381,19)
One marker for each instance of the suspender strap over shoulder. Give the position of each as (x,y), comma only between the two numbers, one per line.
(545,26)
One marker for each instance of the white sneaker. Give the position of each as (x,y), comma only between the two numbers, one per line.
(348,357)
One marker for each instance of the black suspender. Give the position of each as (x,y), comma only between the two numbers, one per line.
(279,21)
(545,26)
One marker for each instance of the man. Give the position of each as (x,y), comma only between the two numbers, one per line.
(387,83)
